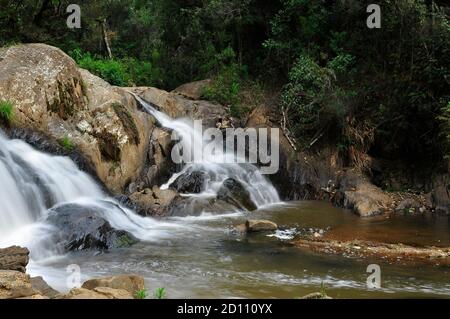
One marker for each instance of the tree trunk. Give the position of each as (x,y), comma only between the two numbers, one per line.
(106,39)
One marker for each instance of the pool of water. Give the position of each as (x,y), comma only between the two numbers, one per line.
(205,259)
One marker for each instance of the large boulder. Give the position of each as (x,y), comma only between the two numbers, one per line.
(14,258)
(52,95)
(82,227)
(193,90)
(128,283)
(42,288)
(15,284)
(193,182)
(97,293)
(233,192)
(178,105)
(152,201)
(440,196)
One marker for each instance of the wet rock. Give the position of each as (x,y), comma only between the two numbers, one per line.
(15,284)
(235,193)
(190,182)
(38,284)
(408,204)
(154,201)
(260,225)
(440,196)
(14,258)
(128,283)
(193,90)
(84,228)
(81,293)
(178,105)
(316,295)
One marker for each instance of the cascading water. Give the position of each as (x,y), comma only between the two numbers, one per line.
(262,192)
(32,182)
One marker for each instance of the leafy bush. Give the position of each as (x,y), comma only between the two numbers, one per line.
(227,83)
(66,143)
(120,72)
(6,111)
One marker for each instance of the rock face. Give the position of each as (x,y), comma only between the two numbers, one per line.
(177,105)
(97,293)
(128,283)
(193,183)
(84,228)
(193,90)
(15,284)
(234,192)
(38,284)
(14,258)
(52,95)
(154,201)
(440,196)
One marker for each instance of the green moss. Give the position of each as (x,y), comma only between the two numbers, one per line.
(6,111)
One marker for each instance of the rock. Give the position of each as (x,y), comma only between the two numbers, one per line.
(440,196)
(153,201)
(193,90)
(367,200)
(15,284)
(190,182)
(176,105)
(114,293)
(407,204)
(38,284)
(316,295)
(81,293)
(53,96)
(241,229)
(14,258)
(260,225)
(83,228)
(235,193)
(128,283)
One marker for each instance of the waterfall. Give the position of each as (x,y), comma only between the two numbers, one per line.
(33,182)
(262,192)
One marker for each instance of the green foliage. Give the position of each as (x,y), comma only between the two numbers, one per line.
(141,294)
(226,85)
(120,72)
(6,111)
(160,293)
(66,143)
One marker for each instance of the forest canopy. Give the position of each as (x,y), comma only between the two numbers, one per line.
(379,91)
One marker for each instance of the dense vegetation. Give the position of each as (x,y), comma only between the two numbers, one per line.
(382,91)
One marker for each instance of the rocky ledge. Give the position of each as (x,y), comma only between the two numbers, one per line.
(396,253)
(16,284)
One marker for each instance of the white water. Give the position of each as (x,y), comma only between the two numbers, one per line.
(262,192)
(32,182)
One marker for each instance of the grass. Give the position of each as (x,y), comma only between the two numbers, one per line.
(67,143)
(323,292)
(6,111)
(141,294)
(160,293)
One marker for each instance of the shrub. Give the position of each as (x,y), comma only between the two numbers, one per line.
(160,293)
(120,72)
(226,84)
(141,294)
(6,111)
